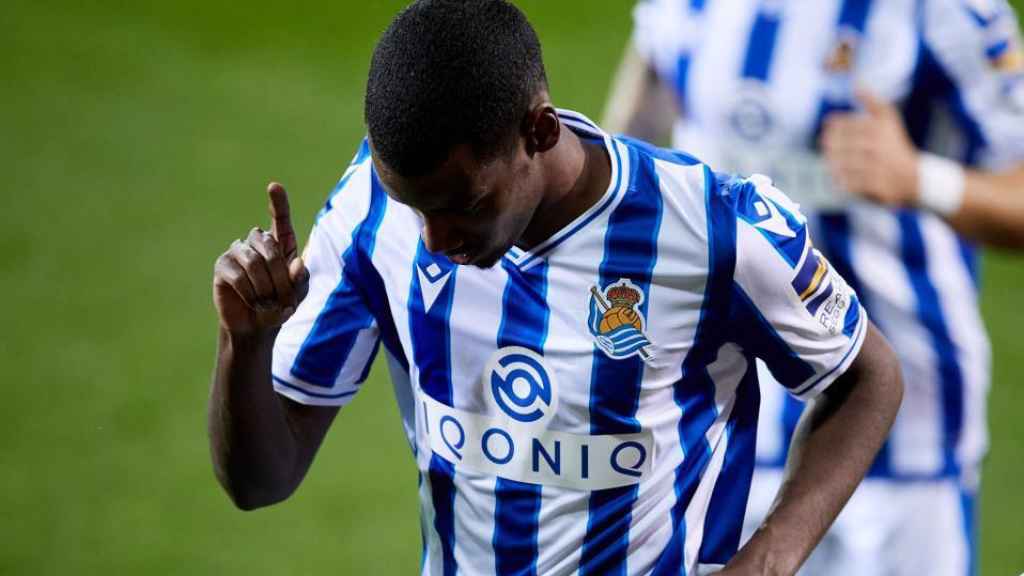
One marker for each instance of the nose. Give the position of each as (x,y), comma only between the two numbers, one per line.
(439,236)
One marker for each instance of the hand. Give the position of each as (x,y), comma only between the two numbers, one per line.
(259,281)
(870,154)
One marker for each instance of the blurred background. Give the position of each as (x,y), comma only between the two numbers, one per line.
(136,140)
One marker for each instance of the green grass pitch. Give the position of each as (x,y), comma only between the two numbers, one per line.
(135,143)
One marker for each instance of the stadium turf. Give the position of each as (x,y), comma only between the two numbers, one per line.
(136,142)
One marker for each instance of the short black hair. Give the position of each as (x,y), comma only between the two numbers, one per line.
(451,72)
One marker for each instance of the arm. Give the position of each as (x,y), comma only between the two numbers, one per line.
(832,449)
(261,443)
(870,155)
(640,104)
(993,208)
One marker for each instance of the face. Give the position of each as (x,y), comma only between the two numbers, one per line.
(472,211)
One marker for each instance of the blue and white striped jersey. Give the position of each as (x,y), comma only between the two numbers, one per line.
(588,406)
(755,78)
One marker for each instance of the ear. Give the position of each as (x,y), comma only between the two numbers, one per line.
(541,128)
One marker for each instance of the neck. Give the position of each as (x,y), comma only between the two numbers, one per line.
(578,173)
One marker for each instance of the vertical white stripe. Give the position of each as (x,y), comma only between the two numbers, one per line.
(474,521)
(476,315)
(697,510)
(916,438)
(770,430)
(569,349)
(652,526)
(435,556)
(798,61)
(958,301)
(674,305)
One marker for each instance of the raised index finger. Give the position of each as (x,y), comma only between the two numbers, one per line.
(281,220)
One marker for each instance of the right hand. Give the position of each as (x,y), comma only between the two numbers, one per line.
(259,282)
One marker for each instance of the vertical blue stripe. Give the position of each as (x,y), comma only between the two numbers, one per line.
(524,322)
(695,391)
(835,237)
(759,338)
(442,494)
(431,349)
(933,85)
(969,511)
(682,70)
(362,154)
(682,75)
(371,284)
(852,318)
(761,45)
(327,346)
(969,256)
(729,498)
(853,18)
(931,316)
(630,252)
(792,409)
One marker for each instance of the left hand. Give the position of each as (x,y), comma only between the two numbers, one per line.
(870,154)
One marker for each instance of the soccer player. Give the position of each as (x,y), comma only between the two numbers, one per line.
(899,128)
(569,320)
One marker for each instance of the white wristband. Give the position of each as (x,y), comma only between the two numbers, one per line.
(941,184)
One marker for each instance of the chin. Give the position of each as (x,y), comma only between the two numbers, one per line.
(487,261)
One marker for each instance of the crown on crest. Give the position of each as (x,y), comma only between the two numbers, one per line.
(622,295)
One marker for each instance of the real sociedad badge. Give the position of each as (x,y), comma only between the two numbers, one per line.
(615,322)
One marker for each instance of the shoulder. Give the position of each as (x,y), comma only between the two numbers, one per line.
(358,199)
(979,30)
(676,173)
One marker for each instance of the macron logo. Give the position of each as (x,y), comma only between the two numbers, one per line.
(432,282)
(775,222)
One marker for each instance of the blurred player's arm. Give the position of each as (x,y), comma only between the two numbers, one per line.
(639,104)
(834,445)
(261,443)
(871,155)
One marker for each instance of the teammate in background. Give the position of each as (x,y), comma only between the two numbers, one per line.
(898,126)
(569,319)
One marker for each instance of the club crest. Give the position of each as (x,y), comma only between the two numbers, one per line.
(616,323)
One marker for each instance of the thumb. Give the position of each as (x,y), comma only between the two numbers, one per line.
(299,276)
(874,105)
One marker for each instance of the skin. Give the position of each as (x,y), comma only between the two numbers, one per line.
(262,444)
(473,211)
(869,154)
(826,461)
(835,442)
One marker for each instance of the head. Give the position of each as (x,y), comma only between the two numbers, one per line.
(458,115)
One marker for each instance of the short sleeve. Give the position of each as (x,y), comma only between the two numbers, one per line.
(791,308)
(324,351)
(976,48)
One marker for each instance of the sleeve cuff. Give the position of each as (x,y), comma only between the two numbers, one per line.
(820,382)
(312,395)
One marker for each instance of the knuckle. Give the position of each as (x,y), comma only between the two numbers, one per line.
(246,256)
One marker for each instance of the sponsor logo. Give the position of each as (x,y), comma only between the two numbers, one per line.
(823,291)
(432,281)
(515,442)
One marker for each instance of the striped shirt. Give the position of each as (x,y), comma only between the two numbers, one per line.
(588,406)
(754,80)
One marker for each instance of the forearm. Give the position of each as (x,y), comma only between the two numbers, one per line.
(639,104)
(254,452)
(993,208)
(833,447)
